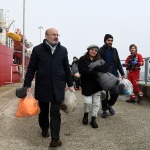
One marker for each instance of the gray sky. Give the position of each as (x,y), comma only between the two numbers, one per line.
(84,22)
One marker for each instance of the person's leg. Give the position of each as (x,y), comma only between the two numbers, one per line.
(44,118)
(132,96)
(55,122)
(95,103)
(136,86)
(114,93)
(87,102)
(55,119)
(76,84)
(96,106)
(104,106)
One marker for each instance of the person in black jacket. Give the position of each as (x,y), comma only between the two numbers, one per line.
(75,73)
(90,87)
(111,57)
(50,66)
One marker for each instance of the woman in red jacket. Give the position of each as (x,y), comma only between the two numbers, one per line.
(132,64)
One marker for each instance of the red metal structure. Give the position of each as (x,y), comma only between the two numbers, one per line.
(11,53)
(6,61)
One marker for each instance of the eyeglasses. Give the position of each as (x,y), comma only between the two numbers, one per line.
(53,34)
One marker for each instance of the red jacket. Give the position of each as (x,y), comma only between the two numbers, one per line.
(130,58)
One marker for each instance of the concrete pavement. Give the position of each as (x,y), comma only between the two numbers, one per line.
(129,129)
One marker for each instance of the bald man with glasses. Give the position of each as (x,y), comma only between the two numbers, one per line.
(50,66)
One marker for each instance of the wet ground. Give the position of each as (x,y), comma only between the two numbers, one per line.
(128,129)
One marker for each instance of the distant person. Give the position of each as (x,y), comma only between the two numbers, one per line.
(111,57)
(132,64)
(90,87)
(49,63)
(75,73)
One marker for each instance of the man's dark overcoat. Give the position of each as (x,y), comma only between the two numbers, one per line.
(51,72)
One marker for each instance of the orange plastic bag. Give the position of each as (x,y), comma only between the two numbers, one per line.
(27,106)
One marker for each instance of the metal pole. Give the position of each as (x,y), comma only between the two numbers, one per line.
(23,50)
(40,27)
(146,70)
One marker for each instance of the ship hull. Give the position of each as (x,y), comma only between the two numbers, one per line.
(9,72)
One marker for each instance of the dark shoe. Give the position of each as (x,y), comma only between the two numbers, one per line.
(140,97)
(94,123)
(139,100)
(130,101)
(55,143)
(104,114)
(45,133)
(85,119)
(111,110)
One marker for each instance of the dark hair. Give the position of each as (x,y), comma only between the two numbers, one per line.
(132,45)
(75,57)
(86,55)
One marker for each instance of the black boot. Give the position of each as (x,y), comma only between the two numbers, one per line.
(94,123)
(45,133)
(132,99)
(55,143)
(85,119)
(111,110)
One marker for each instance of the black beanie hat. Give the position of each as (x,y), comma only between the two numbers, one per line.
(107,36)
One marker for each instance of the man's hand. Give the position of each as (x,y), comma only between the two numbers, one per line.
(21,92)
(29,90)
(71,89)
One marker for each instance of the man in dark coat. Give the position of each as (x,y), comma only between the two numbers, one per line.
(50,66)
(111,57)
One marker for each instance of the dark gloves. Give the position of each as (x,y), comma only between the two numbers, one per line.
(21,92)
(103,68)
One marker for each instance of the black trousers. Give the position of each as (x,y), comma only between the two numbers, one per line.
(55,117)
(114,93)
(77,83)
